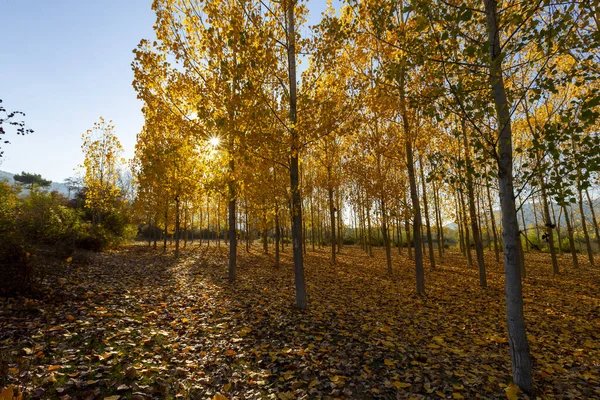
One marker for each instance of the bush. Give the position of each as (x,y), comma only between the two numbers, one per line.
(44,218)
(97,239)
(15,273)
(348,241)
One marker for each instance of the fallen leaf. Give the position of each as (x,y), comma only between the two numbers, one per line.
(511,391)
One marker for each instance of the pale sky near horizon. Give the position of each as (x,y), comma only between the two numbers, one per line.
(65,63)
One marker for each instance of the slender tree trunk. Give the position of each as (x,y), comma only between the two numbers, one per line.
(573,249)
(277,235)
(408,237)
(340,223)
(558,229)
(466,228)
(185,227)
(493,221)
(304,235)
(155,233)
(473,211)
(399,233)
(461,235)
(246,227)
(535,220)
(192,228)
(369,239)
(486,220)
(414,195)
(438,222)
(594,220)
(312,222)
(320,225)
(524,227)
(517,335)
(232,210)
(296,208)
(331,213)
(177,223)
(549,225)
(586,235)
(166,227)
(265,230)
(386,238)
(207,222)
(219,222)
(426,212)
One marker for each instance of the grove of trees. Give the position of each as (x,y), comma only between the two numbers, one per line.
(409,116)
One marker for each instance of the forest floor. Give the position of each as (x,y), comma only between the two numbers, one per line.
(138,324)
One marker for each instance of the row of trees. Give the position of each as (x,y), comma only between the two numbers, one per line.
(409,113)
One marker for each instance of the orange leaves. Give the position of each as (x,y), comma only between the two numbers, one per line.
(401,385)
(230,353)
(512,391)
(364,335)
(10,393)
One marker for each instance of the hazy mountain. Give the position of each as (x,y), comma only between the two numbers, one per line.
(55,186)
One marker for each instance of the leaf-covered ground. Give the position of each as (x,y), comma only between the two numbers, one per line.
(139,324)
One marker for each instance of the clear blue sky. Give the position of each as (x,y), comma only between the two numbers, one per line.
(65,63)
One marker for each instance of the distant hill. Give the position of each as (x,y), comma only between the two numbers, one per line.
(55,186)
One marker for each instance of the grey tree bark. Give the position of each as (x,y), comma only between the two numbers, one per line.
(517,335)
(294,165)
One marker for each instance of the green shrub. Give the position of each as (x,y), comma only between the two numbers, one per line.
(97,239)
(348,241)
(44,218)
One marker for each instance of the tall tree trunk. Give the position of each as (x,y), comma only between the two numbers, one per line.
(320,225)
(486,220)
(399,233)
(524,230)
(473,211)
(155,233)
(586,235)
(386,237)
(517,335)
(414,195)
(466,228)
(558,228)
(207,222)
(296,208)
(426,212)
(265,230)
(166,227)
(219,222)
(384,222)
(408,236)
(340,223)
(438,222)
(594,221)
(277,235)
(573,249)
(192,228)
(549,225)
(369,238)
(246,227)
(312,222)
(461,235)
(331,213)
(232,210)
(493,221)
(535,221)
(186,235)
(177,222)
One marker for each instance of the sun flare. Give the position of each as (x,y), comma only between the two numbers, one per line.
(214,141)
